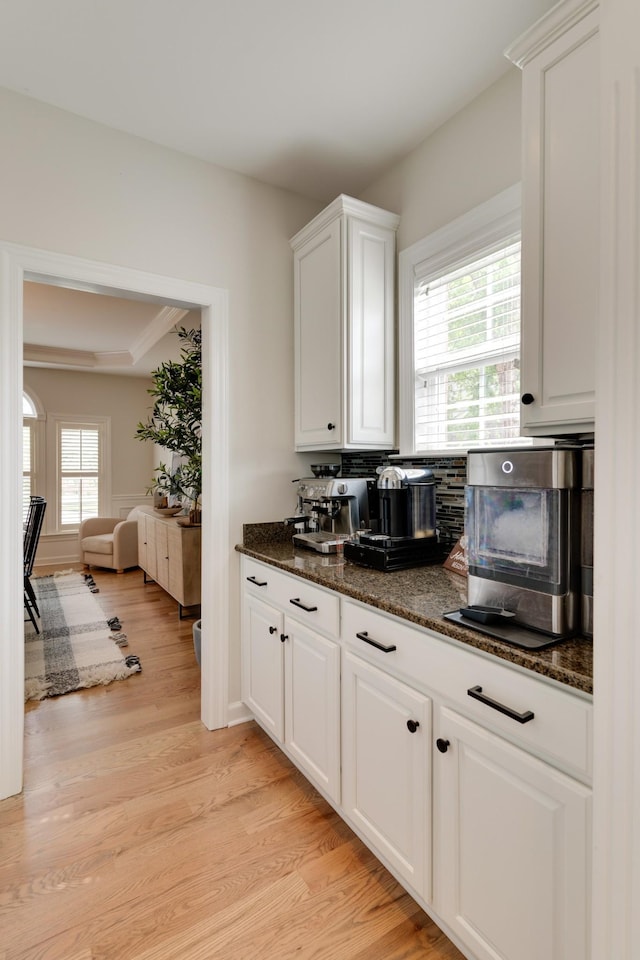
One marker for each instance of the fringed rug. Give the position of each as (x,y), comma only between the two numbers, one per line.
(76,646)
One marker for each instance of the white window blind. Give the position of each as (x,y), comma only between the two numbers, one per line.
(27,468)
(29,458)
(79,473)
(467,352)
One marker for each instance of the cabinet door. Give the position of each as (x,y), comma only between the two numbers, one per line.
(151,528)
(262,665)
(560,240)
(312,705)
(512,836)
(161,537)
(183,551)
(318,302)
(371,354)
(143,553)
(190,572)
(386,769)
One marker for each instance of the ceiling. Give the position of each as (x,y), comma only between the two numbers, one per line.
(95,333)
(316,96)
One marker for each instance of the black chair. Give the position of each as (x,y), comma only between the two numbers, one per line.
(32,528)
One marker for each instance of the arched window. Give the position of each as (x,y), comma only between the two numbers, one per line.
(28,406)
(32,437)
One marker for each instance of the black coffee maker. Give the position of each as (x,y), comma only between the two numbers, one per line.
(407,527)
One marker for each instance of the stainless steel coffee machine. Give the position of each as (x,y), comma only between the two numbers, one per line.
(407,534)
(329,510)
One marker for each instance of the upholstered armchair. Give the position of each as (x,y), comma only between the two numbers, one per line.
(110,542)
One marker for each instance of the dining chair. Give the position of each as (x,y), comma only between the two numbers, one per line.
(33,527)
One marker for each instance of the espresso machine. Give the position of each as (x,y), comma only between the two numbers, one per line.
(329,511)
(407,535)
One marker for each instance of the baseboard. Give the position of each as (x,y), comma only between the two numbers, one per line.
(238,712)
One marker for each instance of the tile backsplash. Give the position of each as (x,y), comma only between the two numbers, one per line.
(450,474)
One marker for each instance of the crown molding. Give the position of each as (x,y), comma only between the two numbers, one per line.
(163,322)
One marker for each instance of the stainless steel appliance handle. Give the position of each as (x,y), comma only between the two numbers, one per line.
(477,694)
(376,643)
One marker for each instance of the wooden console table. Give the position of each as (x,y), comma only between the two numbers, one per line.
(169,554)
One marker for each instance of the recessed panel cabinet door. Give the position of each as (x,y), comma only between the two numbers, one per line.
(318,339)
(385,768)
(560,240)
(312,705)
(511,844)
(262,665)
(371,335)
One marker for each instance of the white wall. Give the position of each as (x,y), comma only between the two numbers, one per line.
(469,159)
(125,401)
(122,398)
(73,186)
(76,187)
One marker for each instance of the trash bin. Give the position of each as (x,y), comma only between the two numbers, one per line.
(196,639)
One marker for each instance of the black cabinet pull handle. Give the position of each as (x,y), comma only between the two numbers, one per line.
(283,637)
(412,725)
(442,745)
(376,643)
(273,630)
(257,583)
(331,426)
(298,603)
(527,398)
(477,694)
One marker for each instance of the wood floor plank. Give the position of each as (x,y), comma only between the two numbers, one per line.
(140,835)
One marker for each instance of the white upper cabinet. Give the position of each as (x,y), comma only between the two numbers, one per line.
(560,218)
(344,307)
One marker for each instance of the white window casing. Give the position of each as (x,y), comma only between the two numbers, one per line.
(33,454)
(79,487)
(460,332)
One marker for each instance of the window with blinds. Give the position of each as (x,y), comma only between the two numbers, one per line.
(459,332)
(29,421)
(27,467)
(466,352)
(78,473)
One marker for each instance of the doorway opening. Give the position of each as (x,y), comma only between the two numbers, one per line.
(18,264)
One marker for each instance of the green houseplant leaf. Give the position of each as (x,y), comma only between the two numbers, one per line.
(175,421)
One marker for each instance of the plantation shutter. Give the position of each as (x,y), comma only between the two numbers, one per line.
(79,473)
(27,468)
(467,353)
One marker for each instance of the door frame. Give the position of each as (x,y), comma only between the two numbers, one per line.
(17,264)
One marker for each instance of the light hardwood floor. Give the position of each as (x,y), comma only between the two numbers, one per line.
(142,836)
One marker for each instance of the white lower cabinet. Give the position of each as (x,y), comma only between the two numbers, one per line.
(468,777)
(386,744)
(312,704)
(291,673)
(262,671)
(511,847)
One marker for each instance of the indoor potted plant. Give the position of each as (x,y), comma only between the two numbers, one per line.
(175,422)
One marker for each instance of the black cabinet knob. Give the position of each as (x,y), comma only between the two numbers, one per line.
(273,629)
(442,745)
(331,426)
(283,637)
(527,398)
(412,725)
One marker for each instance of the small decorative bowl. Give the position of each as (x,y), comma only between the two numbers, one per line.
(167,511)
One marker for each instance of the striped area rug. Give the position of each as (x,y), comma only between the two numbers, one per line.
(75,647)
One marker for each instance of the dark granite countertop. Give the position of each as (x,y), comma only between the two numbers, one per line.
(421,595)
